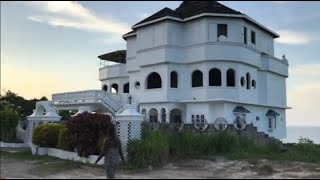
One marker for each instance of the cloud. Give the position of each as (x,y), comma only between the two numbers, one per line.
(304,94)
(303,100)
(292,37)
(36,19)
(74,15)
(305,70)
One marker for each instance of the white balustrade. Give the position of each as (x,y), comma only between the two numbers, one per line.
(111,101)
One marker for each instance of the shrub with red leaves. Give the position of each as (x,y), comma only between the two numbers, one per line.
(85,130)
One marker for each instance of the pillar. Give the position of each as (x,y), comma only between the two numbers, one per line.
(129,125)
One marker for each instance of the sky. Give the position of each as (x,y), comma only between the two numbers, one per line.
(52,47)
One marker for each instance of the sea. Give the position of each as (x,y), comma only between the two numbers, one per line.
(295,132)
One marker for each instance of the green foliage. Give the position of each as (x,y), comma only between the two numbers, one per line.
(9,121)
(66,115)
(47,135)
(305,141)
(303,152)
(156,146)
(22,106)
(63,140)
(224,142)
(85,130)
(152,150)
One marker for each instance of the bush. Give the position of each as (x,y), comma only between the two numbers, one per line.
(85,130)
(9,122)
(63,140)
(47,135)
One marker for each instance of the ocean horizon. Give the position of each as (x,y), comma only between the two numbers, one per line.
(295,132)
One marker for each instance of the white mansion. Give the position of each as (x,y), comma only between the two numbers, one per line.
(202,61)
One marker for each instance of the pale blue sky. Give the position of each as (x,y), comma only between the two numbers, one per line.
(53,47)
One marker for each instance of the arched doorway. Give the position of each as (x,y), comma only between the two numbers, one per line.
(176,119)
(153,115)
(175,116)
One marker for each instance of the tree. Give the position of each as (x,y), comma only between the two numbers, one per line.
(23,106)
(9,121)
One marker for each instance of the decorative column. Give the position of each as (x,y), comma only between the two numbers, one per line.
(168,117)
(159,116)
(129,125)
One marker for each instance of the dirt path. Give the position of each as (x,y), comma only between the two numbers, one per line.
(188,169)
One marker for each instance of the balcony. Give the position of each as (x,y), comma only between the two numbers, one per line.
(113,71)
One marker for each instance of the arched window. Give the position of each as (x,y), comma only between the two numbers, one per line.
(105,88)
(214,77)
(230,78)
(242,81)
(197,79)
(153,81)
(137,85)
(114,88)
(126,88)
(253,84)
(174,79)
(248,80)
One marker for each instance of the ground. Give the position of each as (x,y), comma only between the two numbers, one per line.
(14,165)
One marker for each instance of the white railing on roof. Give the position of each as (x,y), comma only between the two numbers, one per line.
(111,101)
(89,96)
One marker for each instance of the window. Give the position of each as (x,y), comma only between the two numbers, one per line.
(215,77)
(126,88)
(114,88)
(153,115)
(137,85)
(153,81)
(245,35)
(242,81)
(197,79)
(174,79)
(253,37)
(270,123)
(230,78)
(253,84)
(248,80)
(222,30)
(105,88)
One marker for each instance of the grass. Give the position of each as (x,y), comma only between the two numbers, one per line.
(155,145)
(44,165)
(309,153)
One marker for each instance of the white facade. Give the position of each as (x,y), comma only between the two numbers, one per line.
(165,45)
